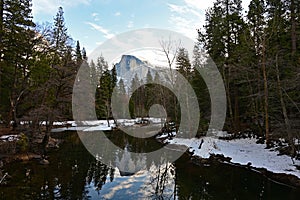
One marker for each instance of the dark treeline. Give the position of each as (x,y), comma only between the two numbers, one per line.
(38,65)
(257,54)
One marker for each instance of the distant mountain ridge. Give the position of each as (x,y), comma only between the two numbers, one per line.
(127,63)
(130,65)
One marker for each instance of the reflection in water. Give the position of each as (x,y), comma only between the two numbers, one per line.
(127,165)
(155,183)
(74,174)
(162,182)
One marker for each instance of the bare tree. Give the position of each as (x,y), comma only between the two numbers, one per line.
(170,49)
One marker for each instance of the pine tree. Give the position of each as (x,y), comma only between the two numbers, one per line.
(18,39)
(199,85)
(60,40)
(183,62)
(222,33)
(78,54)
(101,75)
(83,52)
(280,62)
(114,79)
(256,24)
(184,68)
(94,75)
(149,91)
(134,97)
(121,101)
(64,69)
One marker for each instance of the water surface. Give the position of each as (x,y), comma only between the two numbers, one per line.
(74,174)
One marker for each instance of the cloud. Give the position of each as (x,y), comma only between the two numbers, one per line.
(106,33)
(130,24)
(188,17)
(95,16)
(203,5)
(51,7)
(117,14)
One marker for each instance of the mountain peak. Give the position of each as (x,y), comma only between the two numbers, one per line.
(128,63)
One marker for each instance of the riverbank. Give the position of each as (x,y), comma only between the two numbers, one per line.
(244,152)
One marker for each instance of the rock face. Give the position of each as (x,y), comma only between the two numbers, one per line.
(127,63)
(129,66)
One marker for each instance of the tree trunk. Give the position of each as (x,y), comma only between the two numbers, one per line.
(255,104)
(227,89)
(236,110)
(1,31)
(1,45)
(266,105)
(107,113)
(284,111)
(293,28)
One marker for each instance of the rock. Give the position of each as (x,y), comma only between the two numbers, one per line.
(126,173)
(219,158)
(44,162)
(53,143)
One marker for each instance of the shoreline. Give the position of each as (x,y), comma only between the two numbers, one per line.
(280,178)
(211,150)
(288,179)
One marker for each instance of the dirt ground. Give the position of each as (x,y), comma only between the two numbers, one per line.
(6,130)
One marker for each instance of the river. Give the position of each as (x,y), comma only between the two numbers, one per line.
(74,174)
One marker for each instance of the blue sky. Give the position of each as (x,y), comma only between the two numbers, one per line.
(93,21)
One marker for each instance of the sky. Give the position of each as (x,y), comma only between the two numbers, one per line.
(94,21)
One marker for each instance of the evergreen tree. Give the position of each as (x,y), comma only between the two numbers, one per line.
(78,54)
(222,38)
(94,75)
(83,52)
(17,44)
(60,39)
(199,85)
(62,76)
(256,24)
(121,102)
(183,62)
(149,91)
(134,97)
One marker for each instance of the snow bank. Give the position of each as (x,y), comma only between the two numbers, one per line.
(100,128)
(9,138)
(99,125)
(242,151)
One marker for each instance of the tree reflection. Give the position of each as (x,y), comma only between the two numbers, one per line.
(97,174)
(161,181)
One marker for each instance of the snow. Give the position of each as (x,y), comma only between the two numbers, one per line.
(57,130)
(156,56)
(165,135)
(9,138)
(99,125)
(242,151)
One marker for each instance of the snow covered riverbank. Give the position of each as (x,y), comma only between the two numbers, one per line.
(242,151)
(101,125)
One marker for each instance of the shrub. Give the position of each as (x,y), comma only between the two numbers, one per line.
(23,143)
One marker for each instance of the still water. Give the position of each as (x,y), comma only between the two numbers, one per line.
(74,174)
